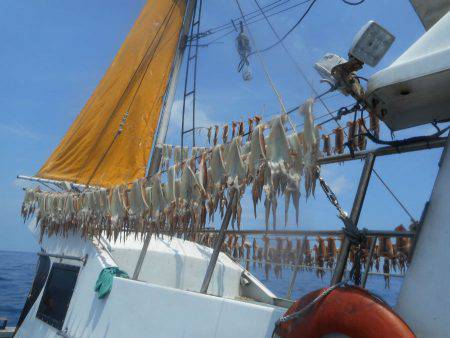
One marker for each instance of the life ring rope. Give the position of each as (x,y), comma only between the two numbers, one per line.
(299,313)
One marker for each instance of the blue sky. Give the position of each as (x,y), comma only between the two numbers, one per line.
(55,52)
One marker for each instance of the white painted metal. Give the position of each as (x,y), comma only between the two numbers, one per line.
(141,309)
(430,11)
(414,89)
(424,301)
(180,264)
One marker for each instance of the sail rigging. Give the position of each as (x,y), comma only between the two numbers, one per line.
(110,141)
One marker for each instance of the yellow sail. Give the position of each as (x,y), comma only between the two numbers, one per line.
(110,141)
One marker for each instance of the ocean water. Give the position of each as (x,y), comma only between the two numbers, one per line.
(18,269)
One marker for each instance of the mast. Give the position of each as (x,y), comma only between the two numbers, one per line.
(161,133)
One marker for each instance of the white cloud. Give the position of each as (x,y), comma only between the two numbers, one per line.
(201,118)
(19,130)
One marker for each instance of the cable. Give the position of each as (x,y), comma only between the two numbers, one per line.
(297,66)
(250,16)
(395,197)
(290,30)
(353,3)
(232,30)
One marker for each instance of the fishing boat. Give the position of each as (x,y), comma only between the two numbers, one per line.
(125,221)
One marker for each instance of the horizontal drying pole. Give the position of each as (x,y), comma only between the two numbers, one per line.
(357,155)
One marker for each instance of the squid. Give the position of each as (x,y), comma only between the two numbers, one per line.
(118,211)
(385,248)
(138,206)
(225,134)
(217,176)
(235,168)
(177,154)
(374,124)
(250,130)
(278,269)
(216,135)
(270,204)
(338,140)
(292,191)
(241,128)
(257,163)
(233,129)
(236,171)
(255,252)
(331,252)
(278,154)
(296,151)
(158,201)
(362,142)
(29,203)
(310,147)
(351,134)
(166,155)
(209,133)
(184,154)
(326,145)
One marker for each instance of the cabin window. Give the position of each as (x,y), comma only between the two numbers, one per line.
(57,294)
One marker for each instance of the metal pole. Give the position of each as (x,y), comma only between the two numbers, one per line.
(298,263)
(165,117)
(170,95)
(383,151)
(217,245)
(369,260)
(73,258)
(368,233)
(354,217)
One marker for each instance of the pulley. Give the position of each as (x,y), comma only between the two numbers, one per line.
(244,49)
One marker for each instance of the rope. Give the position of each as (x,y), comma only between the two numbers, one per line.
(300,313)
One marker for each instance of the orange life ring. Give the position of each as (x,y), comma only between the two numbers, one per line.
(350,311)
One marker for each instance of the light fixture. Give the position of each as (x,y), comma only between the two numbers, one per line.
(371,43)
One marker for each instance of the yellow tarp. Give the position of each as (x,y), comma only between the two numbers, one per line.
(93,150)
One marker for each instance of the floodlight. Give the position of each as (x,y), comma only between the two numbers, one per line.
(371,43)
(326,64)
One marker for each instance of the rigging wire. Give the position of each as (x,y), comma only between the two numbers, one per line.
(251,16)
(413,220)
(296,64)
(280,40)
(256,20)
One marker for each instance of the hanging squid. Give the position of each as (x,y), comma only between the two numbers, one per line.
(216,135)
(310,147)
(374,125)
(338,140)
(362,142)
(250,130)
(351,134)
(257,164)
(236,171)
(326,145)
(225,134)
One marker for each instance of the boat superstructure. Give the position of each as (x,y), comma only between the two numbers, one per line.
(127,253)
